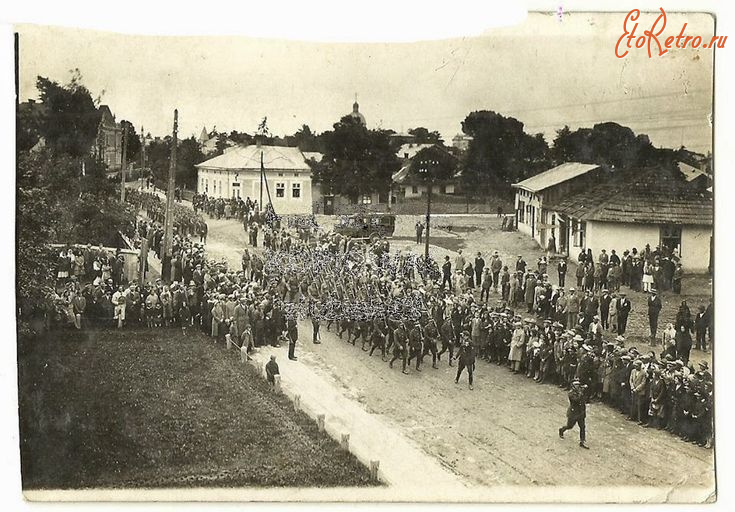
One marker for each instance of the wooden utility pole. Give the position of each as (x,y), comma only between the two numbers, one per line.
(168,231)
(428,219)
(142,155)
(124,162)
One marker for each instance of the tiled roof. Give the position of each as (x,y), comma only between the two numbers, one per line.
(554,176)
(248,157)
(651,196)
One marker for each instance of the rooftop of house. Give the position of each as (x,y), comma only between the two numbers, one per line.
(248,157)
(555,176)
(645,196)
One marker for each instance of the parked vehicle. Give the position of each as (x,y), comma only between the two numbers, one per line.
(366,225)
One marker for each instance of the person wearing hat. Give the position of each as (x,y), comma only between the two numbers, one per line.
(293,336)
(518,339)
(479,267)
(654,308)
(572,308)
(701,323)
(561,270)
(638,389)
(605,301)
(400,346)
(623,308)
(576,412)
(465,358)
(496,265)
(520,265)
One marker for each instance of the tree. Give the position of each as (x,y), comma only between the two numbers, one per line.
(241,138)
(132,142)
(607,144)
(305,139)
(71,119)
(500,152)
(424,136)
(356,160)
(187,156)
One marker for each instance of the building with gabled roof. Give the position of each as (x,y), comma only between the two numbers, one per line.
(407,185)
(236,174)
(654,206)
(532,194)
(108,147)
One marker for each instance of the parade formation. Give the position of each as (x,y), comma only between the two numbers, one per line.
(406,310)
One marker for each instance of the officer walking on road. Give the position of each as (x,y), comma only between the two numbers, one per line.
(465,358)
(576,412)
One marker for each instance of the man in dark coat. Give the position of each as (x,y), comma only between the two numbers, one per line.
(293,336)
(623,308)
(654,308)
(576,412)
(605,300)
(561,269)
(465,358)
(479,266)
(400,347)
(447,273)
(449,337)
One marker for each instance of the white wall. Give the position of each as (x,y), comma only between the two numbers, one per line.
(695,241)
(695,248)
(220,184)
(620,236)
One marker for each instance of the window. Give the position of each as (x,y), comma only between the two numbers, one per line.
(206,185)
(580,229)
(280,190)
(367,199)
(296,190)
(295,175)
(521,212)
(280,174)
(671,238)
(414,189)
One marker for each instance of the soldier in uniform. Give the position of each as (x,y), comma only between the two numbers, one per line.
(431,334)
(576,412)
(378,336)
(465,358)
(416,344)
(448,335)
(400,348)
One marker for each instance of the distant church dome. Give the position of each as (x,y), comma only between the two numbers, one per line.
(356,114)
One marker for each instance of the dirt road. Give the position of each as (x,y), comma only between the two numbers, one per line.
(505,431)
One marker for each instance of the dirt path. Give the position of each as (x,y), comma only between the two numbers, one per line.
(502,433)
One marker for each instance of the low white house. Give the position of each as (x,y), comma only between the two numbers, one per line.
(657,207)
(237,173)
(532,194)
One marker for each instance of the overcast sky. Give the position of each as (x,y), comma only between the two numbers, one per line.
(544,72)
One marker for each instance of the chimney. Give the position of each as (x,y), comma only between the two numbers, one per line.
(258,141)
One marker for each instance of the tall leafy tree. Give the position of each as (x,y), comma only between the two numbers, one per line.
(424,136)
(71,119)
(356,160)
(500,153)
(607,144)
(132,142)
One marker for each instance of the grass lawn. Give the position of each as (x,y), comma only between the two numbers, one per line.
(150,409)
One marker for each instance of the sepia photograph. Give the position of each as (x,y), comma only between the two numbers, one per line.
(464,269)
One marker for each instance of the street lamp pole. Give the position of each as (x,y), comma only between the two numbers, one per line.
(168,232)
